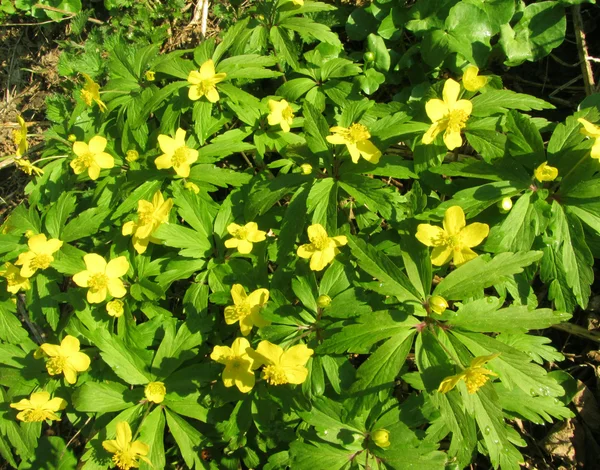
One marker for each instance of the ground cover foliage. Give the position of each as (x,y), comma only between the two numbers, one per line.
(277,249)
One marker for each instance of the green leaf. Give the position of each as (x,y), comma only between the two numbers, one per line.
(11,330)
(85,224)
(533,408)
(377,46)
(482,272)
(536,347)
(295,88)
(266,193)
(323,203)
(152,432)
(192,243)
(94,397)
(500,101)
(305,454)
(59,212)
(468,30)
(188,439)
(517,231)
(145,190)
(304,25)
(524,140)
(284,47)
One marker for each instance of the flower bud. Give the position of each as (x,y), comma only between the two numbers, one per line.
(29,233)
(369,56)
(306,168)
(438,304)
(505,205)
(72,138)
(115,308)
(192,187)
(155,392)
(545,172)
(132,155)
(381,438)
(323,301)
(149,75)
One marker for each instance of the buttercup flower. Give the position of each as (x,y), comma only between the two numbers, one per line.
(449,115)
(356,138)
(91,92)
(545,172)
(281,113)
(27,167)
(247,308)
(91,157)
(475,376)
(322,249)
(125,452)
(381,438)
(39,407)
(244,237)
(13,277)
(282,367)
(306,168)
(20,137)
(438,304)
(102,278)
(115,308)
(471,80)
(455,240)
(155,392)
(176,154)
(203,82)
(238,364)
(593,131)
(39,255)
(65,358)
(150,216)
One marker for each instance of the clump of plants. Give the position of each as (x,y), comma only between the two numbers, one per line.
(276,250)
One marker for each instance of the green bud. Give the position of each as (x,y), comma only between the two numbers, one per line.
(505,205)
(369,56)
(323,301)
(438,304)
(381,438)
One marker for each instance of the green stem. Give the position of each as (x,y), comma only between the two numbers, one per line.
(450,354)
(142,421)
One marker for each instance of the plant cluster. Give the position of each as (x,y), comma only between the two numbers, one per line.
(275,251)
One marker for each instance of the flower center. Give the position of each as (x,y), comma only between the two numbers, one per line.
(55,365)
(274,375)
(124,459)
(84,161)
(145,217)
(98,282)
(241,233)
(475,379)
(179,157)
(320,242)
(287,114)
(243,310)
(18,136)
(237,363)
(36,414)
(457,120)
(41,261)
(357,133)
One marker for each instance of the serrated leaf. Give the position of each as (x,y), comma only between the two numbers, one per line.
(94,397)
(500,101)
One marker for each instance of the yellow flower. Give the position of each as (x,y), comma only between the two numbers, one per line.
(39,407)
(102,278)
(20,137)
(438,304)
(545,172)
(150,216)
(65,358)
(126,453)
(149,75)
(381,438)
(281,113)
(282,367)
(203,82)
(13,277)
(155,392)
(356,138)
(91,157)
(455,240)
(591,130)
(176,154)
(238,364)
(322,249)
(306,168)
(298,3)
(132,156)
(115,308)
(191,187)
(28,168)
(39,255)
(247,308)
(449,115)
(471,80)
(244,237)
(475,376)
(91,92)
(323,301)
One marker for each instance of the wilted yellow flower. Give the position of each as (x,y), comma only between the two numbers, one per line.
(323,301)
(306,168)
(176,154)
(593,131)
(449,115)
(132,156)
(475,376)
(545,172)
(20,137)
(27,167)
(282,367)
(191,187)
(471,80)
(13,277)
(125,452)
(381,438)
(91,92)
(155,392)
(203,82)
(322,249)
(238,364)
(247,308)
(150,75)
(244,237)
(150,216)
(356,138)
(115,308)
(438,304)
(455,240)
(281,113)
(91,157)
(102,278)
(39,255)
(65,358)
(39,407)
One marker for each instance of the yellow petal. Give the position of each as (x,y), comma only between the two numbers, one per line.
(207,70)
(454,220)
(268,353)
(93,171)
(212,95)
(96,297)
(589,129)
(452,139)
(430,235)
(56,404)
(595,153)
(481,360)
(79,361)
(336,139)
(433,132)
(354,152)
(473,234)
(368,151)
(123,434)
(340,240)
(449,383)
(97,144)
(306,251)
(233,228)
(194,78)
(167,144)
(140,448)
(222,354)
(471,80)
(245,381)
(116,288)
(117,267)
(320,259)
(95,263)
(436,110)
(232,243)
(297,355)
(70,374)
(195,92)
(240,346)
(244,246)
(69,345)
(316,231)
(163,162)
(464,105)
(182,170)
(231,315)
(258,297)
(37,243)
(463,255)
(51,350)
(82,278)
(238,294)
(441,255)
(451,92)
(80,148)
(246,325)
(104,160)
(111,446)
